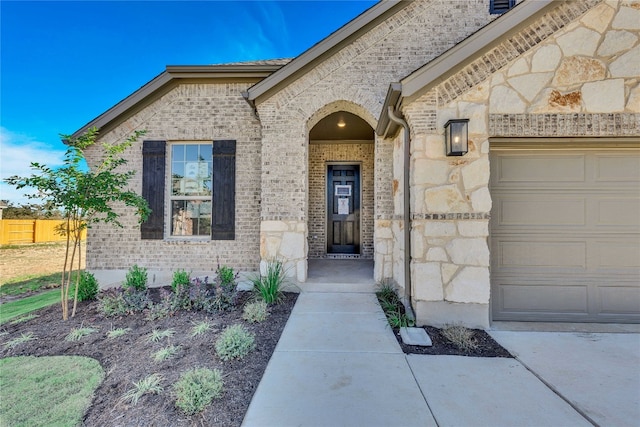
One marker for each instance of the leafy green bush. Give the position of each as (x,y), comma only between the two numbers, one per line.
(235,342)
(197,388)
(226,276)
(136,279)
(268,288)
(88,288)
(180,279)
(255,312)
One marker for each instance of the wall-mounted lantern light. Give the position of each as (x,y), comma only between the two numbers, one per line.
(456,136)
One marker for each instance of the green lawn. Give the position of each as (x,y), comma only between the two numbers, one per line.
(12,309)
(47,391)
(29,283)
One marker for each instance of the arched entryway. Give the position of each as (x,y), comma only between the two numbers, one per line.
(341,190)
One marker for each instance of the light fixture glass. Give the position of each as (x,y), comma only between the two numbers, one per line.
(341,123)
(456,136)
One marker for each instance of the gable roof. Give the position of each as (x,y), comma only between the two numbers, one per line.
(451,61)
(171,77)
(325,47)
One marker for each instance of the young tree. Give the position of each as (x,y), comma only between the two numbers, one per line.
(84,196)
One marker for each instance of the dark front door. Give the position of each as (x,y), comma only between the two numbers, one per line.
(343,209)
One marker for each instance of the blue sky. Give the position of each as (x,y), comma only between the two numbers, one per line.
(64,63)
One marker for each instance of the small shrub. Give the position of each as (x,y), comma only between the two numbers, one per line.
(117,302)
(20,340)
(88,287)
(136,279)
(255,312)
(77,334)
(112,303)
(117,333)
(197,388)
(180,278)
(164,308)
(268,288)
(147,385)
(200,328)
(226,276)
(224,293)
(157,335)
(460,336)
(166,353)
(235,342)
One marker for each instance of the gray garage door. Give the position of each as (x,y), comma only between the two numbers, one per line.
(565,233)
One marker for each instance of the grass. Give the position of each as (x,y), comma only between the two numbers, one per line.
(200,328)
(30,283)
(118,332)
(166,353)
(157,335)
(268,288)
(393,308)
(460,336)
(27,305)
(23,319)
(147,385)
(77,334)
(38,391)
(19,340)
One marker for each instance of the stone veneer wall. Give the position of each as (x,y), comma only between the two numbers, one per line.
(359,75)
(582,80)
(321,154)
(189,112)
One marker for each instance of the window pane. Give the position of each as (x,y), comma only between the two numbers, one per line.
(191,170)
(177,152)
(190,218)
(192,153)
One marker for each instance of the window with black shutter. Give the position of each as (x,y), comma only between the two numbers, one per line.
(501,6)
(153,176)
(201,189)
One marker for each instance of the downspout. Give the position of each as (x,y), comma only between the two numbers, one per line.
(407,211)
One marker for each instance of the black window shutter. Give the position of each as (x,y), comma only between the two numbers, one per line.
(501,6)
(223,221)
(153,178)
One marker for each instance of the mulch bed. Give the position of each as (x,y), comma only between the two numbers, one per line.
(129,359)
(487,346)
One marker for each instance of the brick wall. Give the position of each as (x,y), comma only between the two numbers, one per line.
(189,112)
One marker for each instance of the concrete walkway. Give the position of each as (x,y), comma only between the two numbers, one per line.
(338,364)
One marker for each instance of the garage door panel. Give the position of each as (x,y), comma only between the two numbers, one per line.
(539,169)
(543,298)
(620,255)
(565,235)
(545,254)
(541,210)
(619,299)
(617,212)
(618,168)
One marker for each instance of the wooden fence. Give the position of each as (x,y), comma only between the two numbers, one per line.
(18,231)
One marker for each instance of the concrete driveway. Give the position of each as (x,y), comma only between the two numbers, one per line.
(596,373)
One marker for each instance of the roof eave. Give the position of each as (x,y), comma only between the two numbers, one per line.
(168,79)
(316,52)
